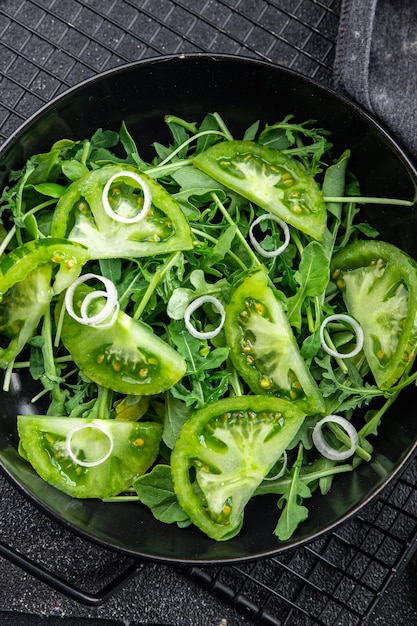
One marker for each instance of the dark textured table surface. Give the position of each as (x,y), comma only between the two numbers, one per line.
(47,46)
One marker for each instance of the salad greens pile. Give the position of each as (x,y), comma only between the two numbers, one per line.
(206,327)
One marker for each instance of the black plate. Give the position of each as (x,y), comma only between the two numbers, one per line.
(242,91)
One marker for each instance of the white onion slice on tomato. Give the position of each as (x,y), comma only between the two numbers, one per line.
(196,304)
(259,249)
(74,458)
(110,308)
(147,198)
(356,328)
(327,450)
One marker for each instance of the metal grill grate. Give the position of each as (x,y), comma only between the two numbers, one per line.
(337,580)
(47,46)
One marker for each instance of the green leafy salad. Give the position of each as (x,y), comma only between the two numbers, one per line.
(216,324)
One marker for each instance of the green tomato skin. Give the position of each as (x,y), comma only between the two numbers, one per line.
(126,357)
(263,348)
(379,287)
(231,445)
(43,445)
(26,291)
(276,182)
(165,230)
(69,257)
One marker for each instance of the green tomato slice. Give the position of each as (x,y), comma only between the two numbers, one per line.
(230,445)
(127,357)
(28,281)
(276,182)
(88,458)
(80,216)
(263,348)
(379,286)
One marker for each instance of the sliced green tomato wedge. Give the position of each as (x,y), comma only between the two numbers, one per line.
(22,309)
(66,256)
(127,357)
(88,458)
(379,285)
(276,182)
(231,445)
(263,348)
(28,282)
(80,216)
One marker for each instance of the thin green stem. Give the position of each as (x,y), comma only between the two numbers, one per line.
(297,242)
(163,170)
(245,244)
(342,436)
(7,376)
(374,421)
(12,231)
(159,274)
(228,135)
(103,402)
(331,345)
(48,357)
(190,126)
(365,200)
(19,199)
(190,140)
(85,153)
(203,235)
(122,499)
(280,484)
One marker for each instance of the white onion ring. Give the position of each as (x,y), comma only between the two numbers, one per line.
(355,326)
(87,463)
(324,448)
(195,305)
(273,253)
(111,306)
(147,198)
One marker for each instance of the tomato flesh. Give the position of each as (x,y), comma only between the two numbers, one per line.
(276,182)
(27,284)
(231,445)
(379,286)
(80,216)
(263,347)
(126,357)
(44,441)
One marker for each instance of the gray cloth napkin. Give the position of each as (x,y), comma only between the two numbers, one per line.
(376,63)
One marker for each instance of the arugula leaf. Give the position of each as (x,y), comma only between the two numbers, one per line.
(156,490)
(112,269)
(175,415)
(130,148)
(198,386)
(53,190)
(74,170)
(313,276)
(183,296)
(293,512)
(334,184)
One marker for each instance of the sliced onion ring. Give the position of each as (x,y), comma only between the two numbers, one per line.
(328,451)
(355,326)
(147,198)
(194,306)
(273,253)
(87,463)
(111,306)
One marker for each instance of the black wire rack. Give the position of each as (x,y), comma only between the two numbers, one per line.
(47,46)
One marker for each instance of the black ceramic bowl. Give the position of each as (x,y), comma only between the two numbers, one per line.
(242,91)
